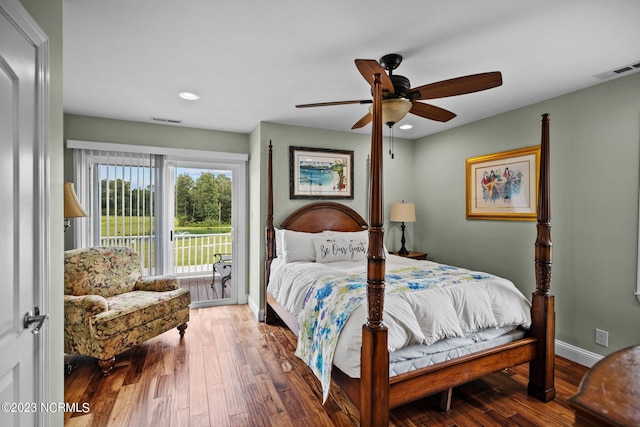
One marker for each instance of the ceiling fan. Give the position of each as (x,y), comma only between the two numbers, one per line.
(398,98)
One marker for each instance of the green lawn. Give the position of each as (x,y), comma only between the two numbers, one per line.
(190,246)
(137,226)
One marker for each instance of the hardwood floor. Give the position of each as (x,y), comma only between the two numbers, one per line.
(230,370)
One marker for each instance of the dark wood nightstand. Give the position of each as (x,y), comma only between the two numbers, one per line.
(413,255)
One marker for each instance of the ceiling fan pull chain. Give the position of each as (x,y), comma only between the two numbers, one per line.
(391,142)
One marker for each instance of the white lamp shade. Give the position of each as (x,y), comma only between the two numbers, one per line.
(72,206)
(403,212)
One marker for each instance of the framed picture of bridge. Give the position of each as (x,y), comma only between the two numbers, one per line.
(320,173)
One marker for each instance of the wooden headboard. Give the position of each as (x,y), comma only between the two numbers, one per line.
(320,216)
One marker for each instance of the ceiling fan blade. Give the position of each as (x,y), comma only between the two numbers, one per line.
(431,112)
(365,120)
(369,67)
(326,104)
(457,86)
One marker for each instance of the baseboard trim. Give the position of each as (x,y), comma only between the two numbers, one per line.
(576,354)
(258,312)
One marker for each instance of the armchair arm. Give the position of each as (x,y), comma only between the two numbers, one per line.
(157,283)
(79,309)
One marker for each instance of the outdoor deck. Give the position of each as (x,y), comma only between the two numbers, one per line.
(200,287)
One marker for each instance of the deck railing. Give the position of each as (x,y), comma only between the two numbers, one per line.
(193,254)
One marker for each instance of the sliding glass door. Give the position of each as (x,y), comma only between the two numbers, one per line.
(201,229)
(179,210)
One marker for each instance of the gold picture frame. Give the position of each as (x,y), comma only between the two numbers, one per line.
(504,186)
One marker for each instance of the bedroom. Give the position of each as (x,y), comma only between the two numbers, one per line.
(595,245)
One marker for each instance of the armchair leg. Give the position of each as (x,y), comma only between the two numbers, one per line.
(106,365)
(181,329)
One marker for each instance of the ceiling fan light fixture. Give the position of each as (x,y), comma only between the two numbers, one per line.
(393,110)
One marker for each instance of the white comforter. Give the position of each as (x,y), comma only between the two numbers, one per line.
(420,317)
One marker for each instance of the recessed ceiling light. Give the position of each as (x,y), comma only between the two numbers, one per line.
(189,96)
(405,127)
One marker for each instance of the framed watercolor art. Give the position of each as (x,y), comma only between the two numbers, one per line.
(320,173)
(503,186)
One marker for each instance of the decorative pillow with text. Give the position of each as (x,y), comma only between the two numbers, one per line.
(334,250)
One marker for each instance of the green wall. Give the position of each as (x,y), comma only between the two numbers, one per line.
(86,128)
(595,137)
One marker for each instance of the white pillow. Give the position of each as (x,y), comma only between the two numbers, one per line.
(279,242)
(364,234)
(298,246)
(349,235)
(337,249)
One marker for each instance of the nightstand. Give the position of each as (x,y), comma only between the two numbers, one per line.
(413,255)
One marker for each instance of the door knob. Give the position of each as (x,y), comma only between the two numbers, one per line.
(38,318)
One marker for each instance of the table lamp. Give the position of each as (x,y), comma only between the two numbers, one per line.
(72,206)
(403,212)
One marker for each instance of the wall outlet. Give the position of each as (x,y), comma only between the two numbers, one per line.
(602,337)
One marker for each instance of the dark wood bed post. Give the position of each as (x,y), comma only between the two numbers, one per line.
(269,314)
(374,367)
(541,369)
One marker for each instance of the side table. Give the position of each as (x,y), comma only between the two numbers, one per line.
(413,255)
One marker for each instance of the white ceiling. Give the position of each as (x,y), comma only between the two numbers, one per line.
(254,60)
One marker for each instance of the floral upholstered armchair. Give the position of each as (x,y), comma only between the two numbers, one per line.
(110,307)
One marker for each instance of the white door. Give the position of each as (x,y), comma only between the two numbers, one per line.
(22,174)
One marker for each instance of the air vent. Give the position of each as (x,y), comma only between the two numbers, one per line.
(172,121)
(619,71)
(623,70)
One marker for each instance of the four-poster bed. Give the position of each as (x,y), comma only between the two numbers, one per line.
(375,391)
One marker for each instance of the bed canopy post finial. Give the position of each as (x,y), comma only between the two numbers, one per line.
(541,369)
(374,366)
(270,234)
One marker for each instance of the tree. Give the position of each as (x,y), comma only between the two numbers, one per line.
(205,198)
(184,196)
(120,199)
(224,198)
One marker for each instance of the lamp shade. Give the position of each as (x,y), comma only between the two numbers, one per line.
(72,207)
(394,110)
(403,212)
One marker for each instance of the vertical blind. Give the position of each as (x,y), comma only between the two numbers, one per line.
(119,191)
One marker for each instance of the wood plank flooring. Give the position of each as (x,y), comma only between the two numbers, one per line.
(230,370)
